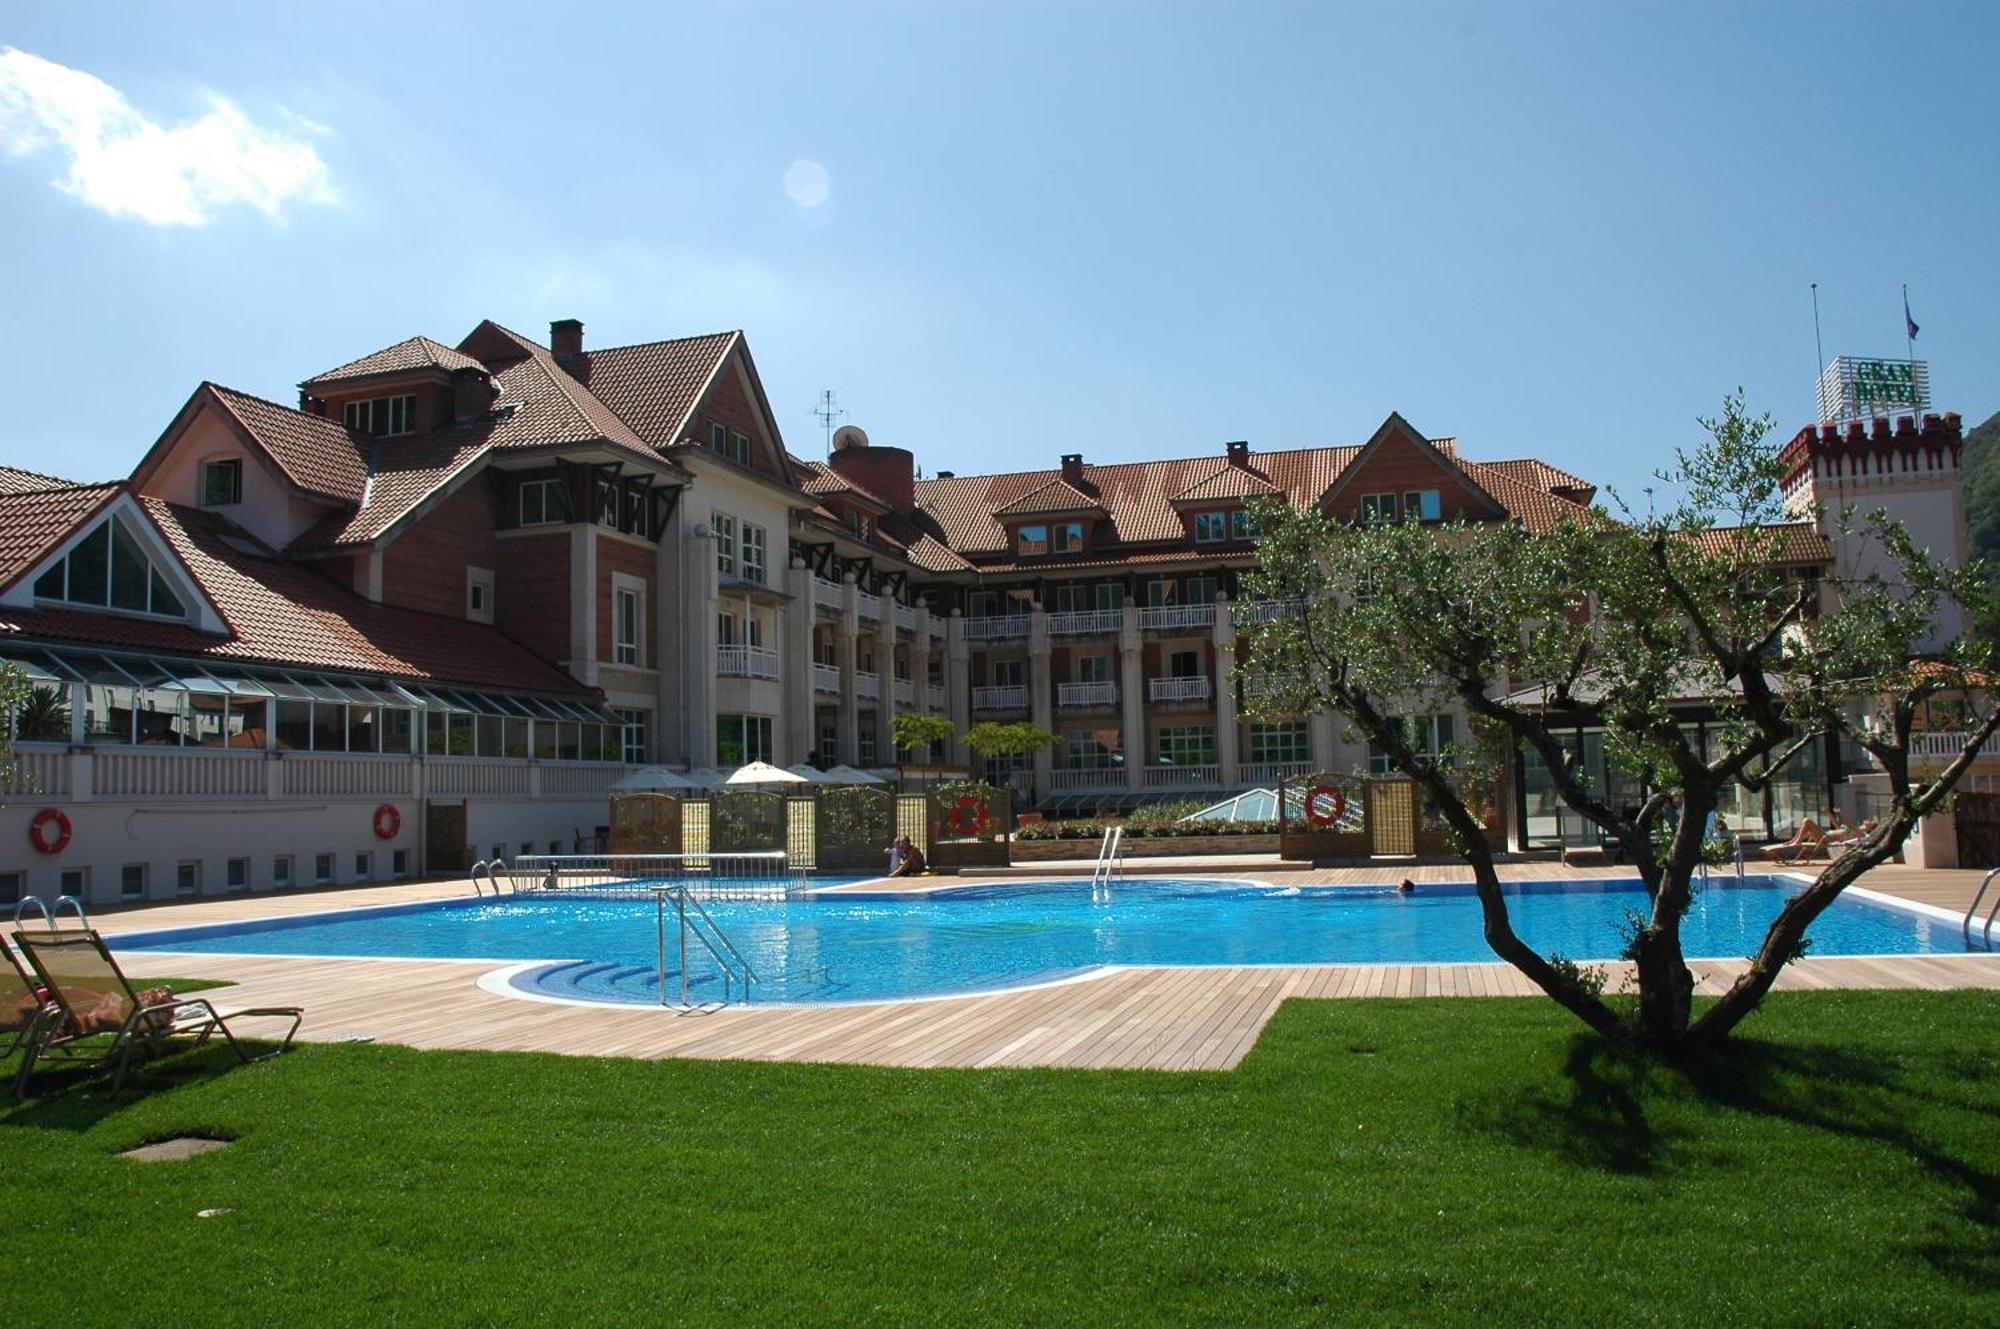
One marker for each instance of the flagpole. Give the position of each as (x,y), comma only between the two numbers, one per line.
(1819,355)
(1909,338)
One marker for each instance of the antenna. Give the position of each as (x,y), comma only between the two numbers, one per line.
(827,411)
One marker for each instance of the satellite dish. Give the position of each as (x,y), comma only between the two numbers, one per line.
(849,436)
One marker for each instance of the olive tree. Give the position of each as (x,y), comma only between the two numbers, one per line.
(1627,622)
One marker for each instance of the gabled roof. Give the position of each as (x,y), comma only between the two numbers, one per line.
(413,353)
(1229,482)
(654,387)
(550,406)
(403,475)
(933,555)
(1058,495)
(1395,429)
(34,521)
(14,480)
(1791,542)
(316,454)
(822,480)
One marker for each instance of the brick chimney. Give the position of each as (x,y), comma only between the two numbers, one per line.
(1072,468)
(566,338)
(1239,453)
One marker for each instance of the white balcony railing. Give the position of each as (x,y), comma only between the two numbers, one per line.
(906,618)
(938,628)
(324,775)
(1076,623)
(826,678)
(906,692)
(1247,612)
(1177,689)
(1012,698)
(1086,694)
(746,662)
(38,770)
(482,775)
(1945,744)
(829,593)
(1259,683)
(1175,777)
(1175,618)
(871,606)
(996,627)
(1099,777)
(1267,774)
(867,686)
(934,696)
(129,773)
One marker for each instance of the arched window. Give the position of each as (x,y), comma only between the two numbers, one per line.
(108,568)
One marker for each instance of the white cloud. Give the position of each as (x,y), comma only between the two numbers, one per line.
(123,163)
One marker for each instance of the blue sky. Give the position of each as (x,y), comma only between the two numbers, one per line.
(1117,229)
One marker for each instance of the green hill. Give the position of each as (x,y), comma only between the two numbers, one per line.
(1982,488)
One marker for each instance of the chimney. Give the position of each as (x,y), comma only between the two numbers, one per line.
(1072,468)
(566,338)
(1239,453)
(888,473)
(472,395)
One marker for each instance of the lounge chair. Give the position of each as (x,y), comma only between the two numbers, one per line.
(93,997)
(1808,840)
(23,1009)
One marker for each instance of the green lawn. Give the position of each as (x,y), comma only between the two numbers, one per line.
(1371,1161)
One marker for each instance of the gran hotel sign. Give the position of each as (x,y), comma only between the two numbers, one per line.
(1853,387)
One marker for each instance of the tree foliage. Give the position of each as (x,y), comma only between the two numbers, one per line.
(1625,622)
(992,738)
(912,730)
(17,704)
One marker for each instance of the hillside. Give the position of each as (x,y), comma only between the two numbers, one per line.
(1982,487)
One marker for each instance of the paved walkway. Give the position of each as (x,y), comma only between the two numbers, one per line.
(1157,1018)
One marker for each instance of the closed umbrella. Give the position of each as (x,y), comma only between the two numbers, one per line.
(851,775)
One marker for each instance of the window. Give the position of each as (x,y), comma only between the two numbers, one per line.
(1378,507)
(544,502)
(1008,673)
(75,882)
(724,527)
(753,553)
(1184,664)
(632,736)
(626,619)
(718,438)
(1242,524)
(829,743)
(323,869)
(1187,745)
(1211,527)
(399,864)
(221,482)
(1093,669)
(479,594)
(11,886)
(1421,505)
(1068,536)
(132,881)
(109,568)
(740,739)
(1031,539)
(1161,593)
(726,442)
(865,753)
(364,866)
(1201,590)
(382,417)
(1427,735)
(1093,749)
(187,878)
(236,874)
(1288,740)
(281,870)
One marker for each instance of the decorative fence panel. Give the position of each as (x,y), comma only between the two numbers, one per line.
(746,821)
(856,824)
(645,824)
(970,826)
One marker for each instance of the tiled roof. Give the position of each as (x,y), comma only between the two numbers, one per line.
(14,480)
(552,407)
(1536,509)
(281,612)
(317,454)
(1793,541)
(415,353)
(1532,471)
(821,479)
(31,521)
(1229,482)
(653,386)
(933,555)
(1058,495)
(405,473)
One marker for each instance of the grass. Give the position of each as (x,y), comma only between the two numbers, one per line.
(1370,1162)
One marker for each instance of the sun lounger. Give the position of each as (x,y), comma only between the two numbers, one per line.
(23,1009)
(93,998)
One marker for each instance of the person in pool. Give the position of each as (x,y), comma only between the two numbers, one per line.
(909,859)
(1407,887)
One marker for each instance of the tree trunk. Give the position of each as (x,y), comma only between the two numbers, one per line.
(1666,987)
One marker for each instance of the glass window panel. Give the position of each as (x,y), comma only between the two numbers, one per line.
(515,737)
(569,740)
(128,570)
(90,566)
(50,585)
(295,727)
(329,732)
(364,729)
(544,739)
(107,713)
(592,743)
(161,714)
(207,713)
(246,722)
(488,728)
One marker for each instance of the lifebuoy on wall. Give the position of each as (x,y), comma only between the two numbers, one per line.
(967,816)
(1325,805)
(49,831)
(388,821)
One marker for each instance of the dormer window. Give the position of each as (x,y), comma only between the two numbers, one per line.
(108,569)
(726,442)
(1066,536)
(1031,539)
(382,417)
(1422,505)
(221,482)
(1378,507)
(1211,527)
(1242,524)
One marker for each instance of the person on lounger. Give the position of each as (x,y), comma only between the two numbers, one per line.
(1809,838)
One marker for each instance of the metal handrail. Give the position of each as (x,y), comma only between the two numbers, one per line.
(478,866)
(82,918)
(1986,935)
(682,899)
(21,905)
(1110,858)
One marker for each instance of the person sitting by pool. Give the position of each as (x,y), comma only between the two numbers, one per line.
(1808,839)
(909,859)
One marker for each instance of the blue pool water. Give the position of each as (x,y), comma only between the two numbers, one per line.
(867,946)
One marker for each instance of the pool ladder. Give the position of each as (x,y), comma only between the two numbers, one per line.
(1110,859)
(1985,932)
(492,868)
(49,913)
(701,926)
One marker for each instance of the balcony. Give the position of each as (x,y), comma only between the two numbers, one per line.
(1177,689)
(1176,618)
(1182,777)
(1082,622)
(1086,694)
(906,692)
(1942,745)
(1267,774)
(1099,777)
(826,678)
(871,606)
(906,618)
(829,593)
(996,627)
(867,686)
(934,696)
(746,662)
(1248,612)
(1010,698)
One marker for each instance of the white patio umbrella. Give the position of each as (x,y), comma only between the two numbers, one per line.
(652,778)
(763,772)
(850,775)
(707,777)
(808,772)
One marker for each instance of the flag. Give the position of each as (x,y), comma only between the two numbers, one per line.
(1909,324)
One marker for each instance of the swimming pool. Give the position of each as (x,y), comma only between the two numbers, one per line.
(868,946)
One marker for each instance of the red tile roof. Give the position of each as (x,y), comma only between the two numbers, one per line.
(14,480)
(406,472)
(654,386)
(32,521)
(285,613)
(1058,495)
(317,454)
(414,353)
(549,405)
(1229,482)
(821,479)
(1792,542)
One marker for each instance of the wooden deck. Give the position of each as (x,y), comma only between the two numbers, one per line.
(1153,1018)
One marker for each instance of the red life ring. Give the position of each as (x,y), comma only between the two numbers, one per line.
(388,821)
(38,831)
(1335,809)
(967,816)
